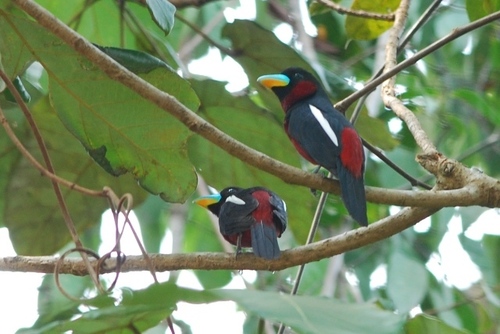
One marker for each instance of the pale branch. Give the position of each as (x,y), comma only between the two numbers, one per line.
(246,154)
(356,12)
(388,87)
(339,244)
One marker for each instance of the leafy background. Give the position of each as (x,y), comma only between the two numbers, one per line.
(97,130)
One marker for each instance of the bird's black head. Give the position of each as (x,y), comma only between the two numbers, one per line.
(214,202)
(292,85)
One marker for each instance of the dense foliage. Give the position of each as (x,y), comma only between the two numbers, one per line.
(99,133)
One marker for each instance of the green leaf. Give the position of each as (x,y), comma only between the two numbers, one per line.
(407,280)
(53,305)
(120,130)
(491,244)
(143,309)
(32,214)
(484,255)
(440,297)
(479,102)
(240,118)
(305,314)
(361,28)
(477,9)
(427,324)
(18,83)
(260,52)
(10,158)
(163,13)
(138,311)
(136,61)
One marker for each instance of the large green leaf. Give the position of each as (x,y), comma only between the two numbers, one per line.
(307,314)
(407,280)
(143,309)
(163,13)
(365,29)
(427,324)
(120,130)
(136,313)
(240,118)
(32,214)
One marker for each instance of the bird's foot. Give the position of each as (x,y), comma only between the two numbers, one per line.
(238,246)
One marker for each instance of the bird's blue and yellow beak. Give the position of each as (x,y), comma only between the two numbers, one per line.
(205,201)
(273,80)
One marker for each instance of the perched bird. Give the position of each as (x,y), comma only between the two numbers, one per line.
(253,217)
(321,134)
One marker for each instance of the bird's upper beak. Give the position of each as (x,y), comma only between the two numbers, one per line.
(205,201)
(274,80)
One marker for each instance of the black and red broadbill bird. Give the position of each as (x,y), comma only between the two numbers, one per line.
(321,134)
(254,217)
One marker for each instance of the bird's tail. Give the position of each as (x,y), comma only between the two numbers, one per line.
(353,195)
(265,241)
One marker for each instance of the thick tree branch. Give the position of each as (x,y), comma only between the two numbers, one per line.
(339,244)
(246,154)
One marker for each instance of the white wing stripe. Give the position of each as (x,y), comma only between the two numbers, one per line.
(235,200)
(324,124)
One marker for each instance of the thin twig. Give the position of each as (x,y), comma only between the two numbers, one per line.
(356,12)
(413,181)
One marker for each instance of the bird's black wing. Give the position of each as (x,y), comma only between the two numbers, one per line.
(235,216)
(305,129)
(280,216)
